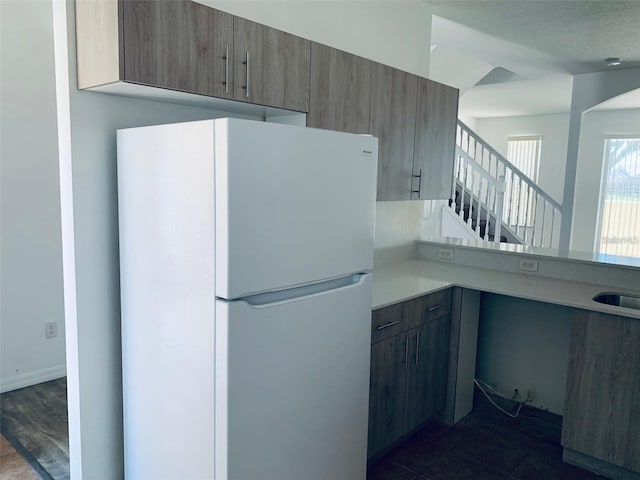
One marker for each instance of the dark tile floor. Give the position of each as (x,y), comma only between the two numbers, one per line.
(485,445)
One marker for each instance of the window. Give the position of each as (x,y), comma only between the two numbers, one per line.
(620,198)
(524,153)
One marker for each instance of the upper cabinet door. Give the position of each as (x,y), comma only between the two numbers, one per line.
(435,139)
(393,121)
(180,45)
(271,67)
(340,90)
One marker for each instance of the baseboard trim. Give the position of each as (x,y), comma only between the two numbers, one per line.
(32,378)
(598,466)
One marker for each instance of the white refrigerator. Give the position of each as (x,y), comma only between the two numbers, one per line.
(246,251)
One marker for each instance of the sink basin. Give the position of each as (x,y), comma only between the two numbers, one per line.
(619,299)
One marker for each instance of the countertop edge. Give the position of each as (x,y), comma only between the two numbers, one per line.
(399,282)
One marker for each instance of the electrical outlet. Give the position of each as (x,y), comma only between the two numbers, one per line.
(445,253)
(527,265)
(50,330)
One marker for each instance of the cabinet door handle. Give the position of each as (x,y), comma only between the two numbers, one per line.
(417,348)
(226,70)
(406,353)
(246,87)
(387,325)
(434,308)
(419,177)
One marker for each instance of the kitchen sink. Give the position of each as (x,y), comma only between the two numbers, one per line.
(619,299)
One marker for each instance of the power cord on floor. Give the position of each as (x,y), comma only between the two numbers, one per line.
(509,414)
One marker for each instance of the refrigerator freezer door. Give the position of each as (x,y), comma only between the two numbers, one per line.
(292,386)
(293,205)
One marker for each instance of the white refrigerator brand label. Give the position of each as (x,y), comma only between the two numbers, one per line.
(365,152)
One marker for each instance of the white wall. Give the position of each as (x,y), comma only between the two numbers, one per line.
(554,130)
(94,347)
(595,125)
(31,256)
(525,345)
(396,33)
(397,229)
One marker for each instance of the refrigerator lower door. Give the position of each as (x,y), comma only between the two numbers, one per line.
(292,386)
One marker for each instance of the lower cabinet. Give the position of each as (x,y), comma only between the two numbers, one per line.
(409,369)
(602,411)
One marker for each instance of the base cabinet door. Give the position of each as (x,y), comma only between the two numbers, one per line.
(602,411)
(408,379)
(387,392)
(426,381)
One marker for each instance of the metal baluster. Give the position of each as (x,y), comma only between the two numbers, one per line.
(544,214)
(463,189)
(553,226)
(512,186)
(478,204)
(518,206)
(453,181)
(534,211)
(527,193)
(499,207)
(487,199)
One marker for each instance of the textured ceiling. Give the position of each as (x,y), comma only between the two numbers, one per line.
(545,42)
(579,33)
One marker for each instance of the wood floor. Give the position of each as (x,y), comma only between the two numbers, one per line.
(12,465)
(34,420)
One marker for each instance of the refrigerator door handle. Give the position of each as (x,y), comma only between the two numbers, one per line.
(273,299)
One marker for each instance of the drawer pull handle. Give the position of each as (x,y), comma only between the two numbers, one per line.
(435,307)
(417,348)
(387,325)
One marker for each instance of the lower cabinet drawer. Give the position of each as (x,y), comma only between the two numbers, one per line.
(427,308)
(388,322)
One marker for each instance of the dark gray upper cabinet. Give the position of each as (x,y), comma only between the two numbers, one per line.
(340,90)
(393,120)
(186,46)
(270,67)
(124,46)
(415,120)
(436,121)
(180,45)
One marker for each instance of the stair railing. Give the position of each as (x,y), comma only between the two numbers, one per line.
(479,196)
(529,212)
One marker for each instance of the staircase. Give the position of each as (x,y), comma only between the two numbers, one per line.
(498,201)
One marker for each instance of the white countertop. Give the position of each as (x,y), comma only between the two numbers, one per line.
(397,282)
